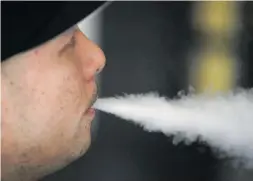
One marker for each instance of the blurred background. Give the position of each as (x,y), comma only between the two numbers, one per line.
(164,47)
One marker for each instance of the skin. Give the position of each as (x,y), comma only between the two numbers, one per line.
(46,96)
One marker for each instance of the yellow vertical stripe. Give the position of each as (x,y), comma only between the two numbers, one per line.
(215,69)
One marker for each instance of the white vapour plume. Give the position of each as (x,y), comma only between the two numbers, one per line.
(223,121)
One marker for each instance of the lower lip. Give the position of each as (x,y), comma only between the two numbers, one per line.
(91,112)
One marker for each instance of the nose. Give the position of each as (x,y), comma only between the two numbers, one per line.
(92,58)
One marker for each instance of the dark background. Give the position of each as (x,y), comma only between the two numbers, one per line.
(146,45)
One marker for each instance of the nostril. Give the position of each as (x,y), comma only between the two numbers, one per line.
(98,70)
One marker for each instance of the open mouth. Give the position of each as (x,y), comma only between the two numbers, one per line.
(93,102)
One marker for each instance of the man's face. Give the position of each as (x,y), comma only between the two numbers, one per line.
(46,96)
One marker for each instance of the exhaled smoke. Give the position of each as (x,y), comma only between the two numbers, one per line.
(223,121)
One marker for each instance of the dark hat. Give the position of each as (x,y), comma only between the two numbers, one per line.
(25,25)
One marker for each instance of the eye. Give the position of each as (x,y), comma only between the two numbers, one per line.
(72,42)
(68,46)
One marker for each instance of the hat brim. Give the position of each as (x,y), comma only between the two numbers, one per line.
(29,24)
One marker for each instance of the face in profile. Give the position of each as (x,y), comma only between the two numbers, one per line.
(47,93)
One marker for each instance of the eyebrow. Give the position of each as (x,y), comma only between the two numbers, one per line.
(70,45)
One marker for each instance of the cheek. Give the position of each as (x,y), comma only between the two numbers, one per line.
(56,104)
(65,93)
(57,97)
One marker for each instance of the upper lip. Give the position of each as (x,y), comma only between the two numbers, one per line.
(94,96)
(94,100)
